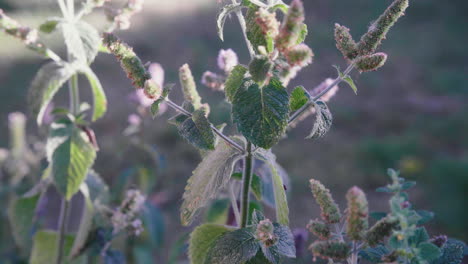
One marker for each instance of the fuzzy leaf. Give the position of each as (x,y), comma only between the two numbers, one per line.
(155,107)
(46,84)
(285,244)
(428,251)
(82,40)
(234,81)
(207,180)
(451,252)
(197,131)
(281,201)
(233,248)
(45,248)
(202,239)
(71,155)
(299,97)
(261,114)
(21,213)
(323,121)
(221,20)
(99,96)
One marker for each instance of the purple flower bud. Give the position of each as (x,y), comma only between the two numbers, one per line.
(227,59)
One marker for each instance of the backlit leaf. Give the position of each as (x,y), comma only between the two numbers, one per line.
(99,97)
(202,239)
(233,248)
(197,131)
(323,121)
(222,16)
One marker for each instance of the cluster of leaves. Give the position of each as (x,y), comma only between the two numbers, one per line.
(397,236)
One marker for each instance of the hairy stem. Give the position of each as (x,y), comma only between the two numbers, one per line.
(74,95)
(246,181)
(335,82)
(64,212)
(243,26)
(219,133)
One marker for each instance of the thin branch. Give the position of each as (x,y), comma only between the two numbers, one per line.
(219,133)
(243,26)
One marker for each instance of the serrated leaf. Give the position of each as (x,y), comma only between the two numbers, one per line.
(71,155)
(281,201)
(420,235)
(197,131)
(428,251)
(82,40)
(21,213)
(299,97)
(261,114)
(451,252)
(47,82)
(99,96)
(323,121)
(222,16)
(202,239)
(233,248)
(207,180)
(50,24)
(234,81)
(45,248)
(284,246)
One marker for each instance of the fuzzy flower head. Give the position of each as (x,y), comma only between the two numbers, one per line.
(291,27)
(267,22)
(125,217)
(213,81)
(330,211)
(300,55)
(358,214)
(319,229)
(265,234)
(334,250)
(227,59)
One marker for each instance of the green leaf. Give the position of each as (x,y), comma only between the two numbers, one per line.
(350,82)
(99,96)
(197,131)
(207,180)
(82,40)
(217,213)
(46,84)
(259,68)
(283,7)
(420,235)
(452,252)
(259,259)
(202,239)
(234,81)
(285,244)
(261,114)
(299,97)
(426,216)
(222,16)
(303,34)
(155,107)
(233,248)
(71,155)
(256,186)
(45,248)
(375,254)
(21,213)
(50,24)
(428,251)
(281,201)
(323,121)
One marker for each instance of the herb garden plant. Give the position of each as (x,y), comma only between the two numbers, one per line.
(228,179)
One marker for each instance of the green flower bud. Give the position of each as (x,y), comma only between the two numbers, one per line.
(330,211)
(264,233)
(319,229)
(152,89)
(291,27)
(260,69)
(129,61)
(267,22)
(371,62)
(345,42)
(334,250)
(378,30)
(300,55)
(380,230)
(189,87)
(358,214)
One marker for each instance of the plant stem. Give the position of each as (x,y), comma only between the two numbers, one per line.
(219,133)
(354,254)
(335,82)
(74,95)
(243,26)
(235,208)
(64,211)
(246,180)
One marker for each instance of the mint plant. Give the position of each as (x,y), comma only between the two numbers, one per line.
(228,180)
(396,237)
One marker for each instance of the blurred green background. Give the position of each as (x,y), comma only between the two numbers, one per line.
(411,115)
